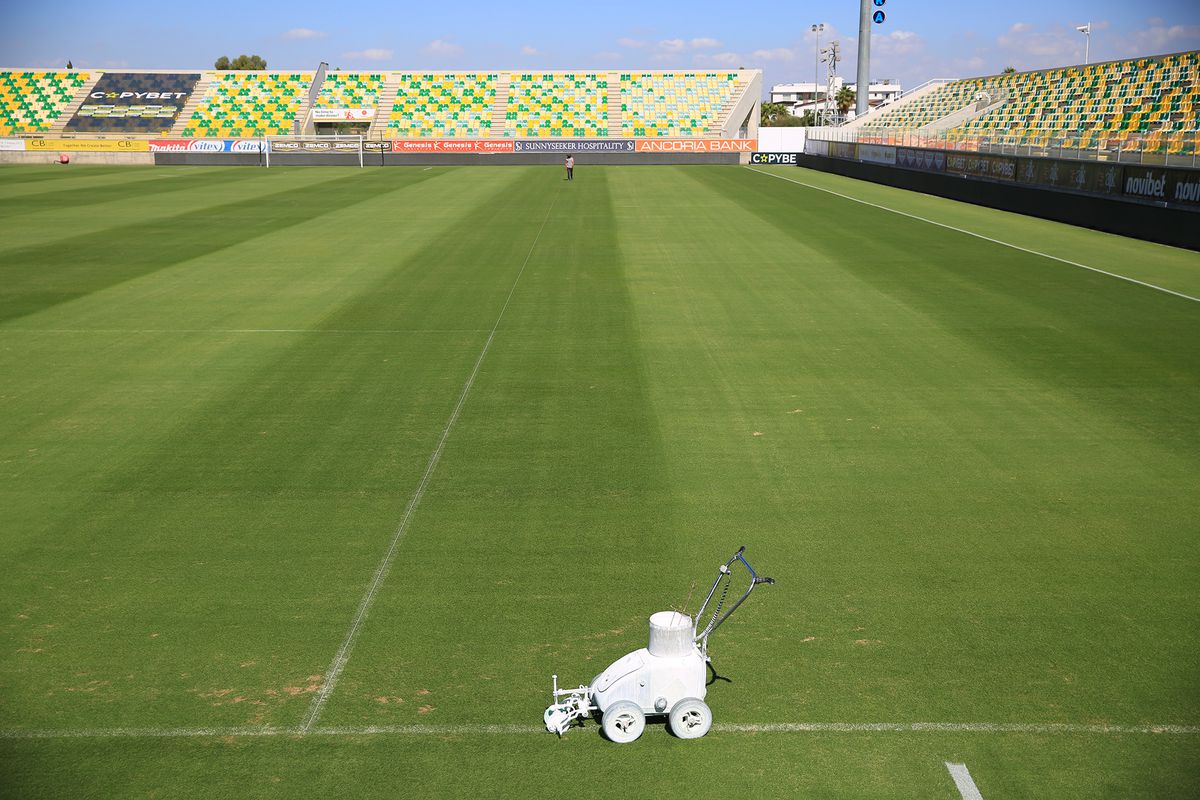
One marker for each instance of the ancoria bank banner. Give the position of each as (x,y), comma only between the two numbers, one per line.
(134,102)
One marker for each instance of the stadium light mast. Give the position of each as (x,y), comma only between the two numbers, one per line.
(1086,30)
(861,97)
(818,28)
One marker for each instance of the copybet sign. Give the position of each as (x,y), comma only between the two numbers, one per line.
(791,159)
(134,101)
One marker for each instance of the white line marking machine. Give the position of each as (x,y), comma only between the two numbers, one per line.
(667,677)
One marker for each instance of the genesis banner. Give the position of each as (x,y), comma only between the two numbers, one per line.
(453,146)
(791,159)
(135,102)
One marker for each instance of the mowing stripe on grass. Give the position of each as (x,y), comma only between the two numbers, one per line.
(962,779)
(980,236)
(343,655)
(485,729)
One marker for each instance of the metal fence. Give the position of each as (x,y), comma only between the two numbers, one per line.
(1177,149)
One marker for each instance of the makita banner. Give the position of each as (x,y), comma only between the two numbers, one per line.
(1171,186)
(207,145)
(134,102)
(790,159)
(574,146)
(925,160)
(452,146)
(343,114)
(877,153)
(998,168)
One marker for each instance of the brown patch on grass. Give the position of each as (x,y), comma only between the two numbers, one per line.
(758,433)
(809,639)
(867,642)
(796,411)
(423,692)
(154,636)
(245,664)
(386,699)
(424,709)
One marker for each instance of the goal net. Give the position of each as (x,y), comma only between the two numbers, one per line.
(314,146)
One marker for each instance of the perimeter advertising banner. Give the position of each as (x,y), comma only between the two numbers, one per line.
(1174,186)
(1078,176)
(89,145)
(453,146)
(134,102)
(877,153)
(207,145)
(997,168)
(574,146)
(791,159)
(12,144)
(695,145)
(926,160)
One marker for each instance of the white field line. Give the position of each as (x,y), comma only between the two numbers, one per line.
(964,782)
(244,330)
(484,729)
(364,606)
(979,236)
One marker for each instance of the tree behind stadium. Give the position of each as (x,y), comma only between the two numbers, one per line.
(241,62)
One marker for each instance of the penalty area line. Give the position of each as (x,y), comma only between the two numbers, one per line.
(485,729)
(964,781)
(979,236)
(334,671)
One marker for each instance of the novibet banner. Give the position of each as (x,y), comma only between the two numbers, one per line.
(134,101)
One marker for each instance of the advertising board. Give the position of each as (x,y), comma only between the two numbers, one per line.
(695,145)
(207,145)
(998,168)
(343,114)
(452,146)
(816,147)
(573,146)
(134,102)
(12,144)
(877,153)
(1175,186)
(791,159)
(89,145)
(926,160)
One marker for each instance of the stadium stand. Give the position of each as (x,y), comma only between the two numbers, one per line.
(32,102)
(443,105)
(133,102)
(241,104)
(350,90)
(1149,103)
(673,104)
(557,104)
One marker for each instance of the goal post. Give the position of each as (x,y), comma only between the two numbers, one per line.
(314,146)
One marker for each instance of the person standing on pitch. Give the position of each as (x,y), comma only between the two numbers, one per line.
(570,167)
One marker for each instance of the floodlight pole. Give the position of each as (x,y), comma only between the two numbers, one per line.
(864,58)
(1086,30)
(817,29)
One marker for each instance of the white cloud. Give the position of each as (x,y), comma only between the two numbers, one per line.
(625,41)
(775,54)
(1156,39)
(1020,27)
(896,43)
(304,33)
(529,51)
(724,59)
(672,45)
(441,47)
(703,43)
(607,55)
(370,54)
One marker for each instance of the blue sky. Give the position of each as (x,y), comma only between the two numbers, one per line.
(920,40)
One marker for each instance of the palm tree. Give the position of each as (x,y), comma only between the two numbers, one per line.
(844,98)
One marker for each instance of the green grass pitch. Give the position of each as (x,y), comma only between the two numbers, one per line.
(974,471)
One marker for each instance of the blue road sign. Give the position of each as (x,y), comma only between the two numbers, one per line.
(879,17)
(879,2)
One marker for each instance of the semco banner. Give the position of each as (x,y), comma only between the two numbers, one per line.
(134,102)
(696,145)
(792,159)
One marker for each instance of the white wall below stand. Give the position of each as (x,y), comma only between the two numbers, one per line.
(781,140)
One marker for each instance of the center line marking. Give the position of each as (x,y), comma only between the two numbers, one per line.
(979,235)
(962,779)
(343,654)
